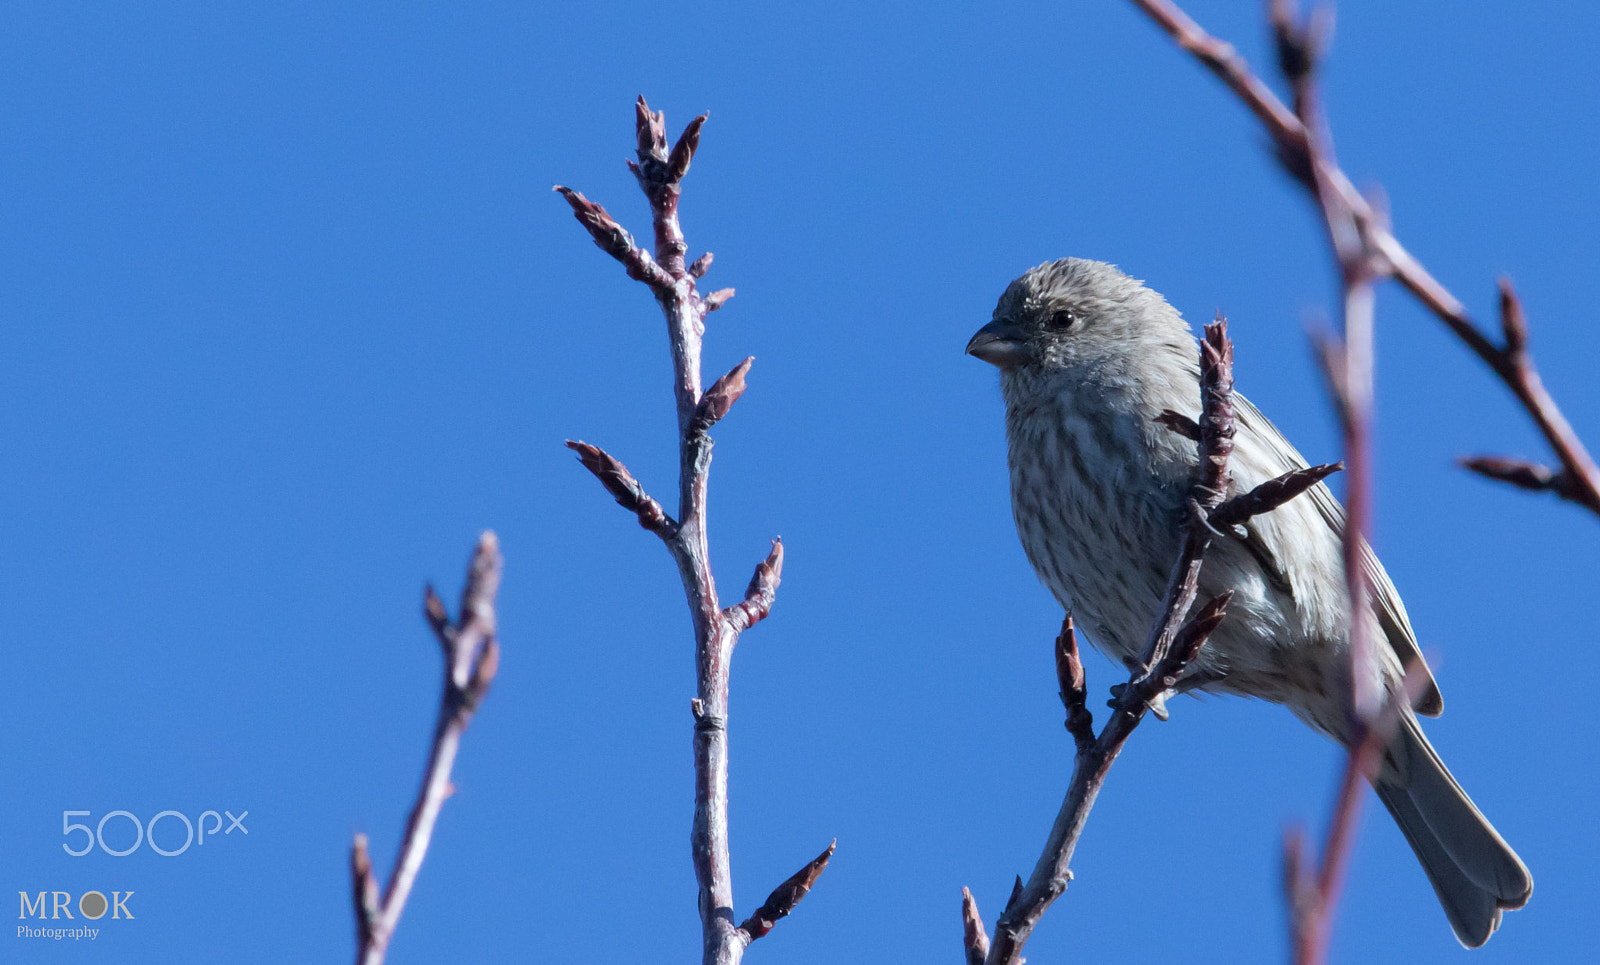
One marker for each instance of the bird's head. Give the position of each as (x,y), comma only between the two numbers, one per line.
(1073,312)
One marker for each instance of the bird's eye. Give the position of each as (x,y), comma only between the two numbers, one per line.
(1063,320)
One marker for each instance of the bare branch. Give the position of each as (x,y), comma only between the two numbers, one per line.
(1345,208)
(1367,252)
(471,657)
(1313,893)
(786,896)
(1299,894)
(716,630)
(1175,642)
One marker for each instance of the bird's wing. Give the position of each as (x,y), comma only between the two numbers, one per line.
(1386,603)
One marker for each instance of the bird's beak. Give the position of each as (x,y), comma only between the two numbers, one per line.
(1000,343)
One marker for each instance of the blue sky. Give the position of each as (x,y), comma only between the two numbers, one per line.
(291,315)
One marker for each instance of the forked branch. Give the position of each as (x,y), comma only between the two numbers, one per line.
(471,657)
(1304,148)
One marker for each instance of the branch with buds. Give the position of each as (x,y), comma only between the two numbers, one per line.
(1367,249)
(1175,641)
(660,174)
(471,657)
(1367,252)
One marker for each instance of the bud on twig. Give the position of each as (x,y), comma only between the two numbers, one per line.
(1523,474)
(974,936)
(1270,495)
(1016,892)
(1216,407)
(762,592)
(717,299)
(1074,688)
(623,487)
(364,891)
(786,896)
(683,151)
(650,131)
(719,399)
(438,618)
(615,241)
(1513,322)
(1192,637)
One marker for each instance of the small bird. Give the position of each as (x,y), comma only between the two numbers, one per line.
(1089,360)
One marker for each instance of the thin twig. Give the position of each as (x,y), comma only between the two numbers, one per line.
(472,655)
(1366,252)
(1271,494)
(1322,177)
(1174,643)
(660,174)
(1312,894)
(1074,687)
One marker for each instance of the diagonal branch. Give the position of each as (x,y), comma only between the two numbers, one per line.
(472,655)
(1344,207)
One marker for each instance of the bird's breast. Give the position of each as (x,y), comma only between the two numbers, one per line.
(1096,507)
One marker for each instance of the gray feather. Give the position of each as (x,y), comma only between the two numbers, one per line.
(1473,871)
(1385,598)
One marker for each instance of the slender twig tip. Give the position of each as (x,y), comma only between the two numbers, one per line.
(1513,323)
(974,936)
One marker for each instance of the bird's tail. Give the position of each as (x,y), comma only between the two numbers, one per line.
(1472,869)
